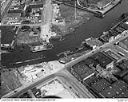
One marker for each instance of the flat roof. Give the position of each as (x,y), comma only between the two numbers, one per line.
(102,59)
(7,34)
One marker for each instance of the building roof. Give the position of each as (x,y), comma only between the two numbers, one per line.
(126,78)
(124,94)
(106,37)
(113,54)
(12,15)
(123,65)
(90,62)
(122,73)
(90,80)
(125,25)
(100,85)
(80,68)
(119,29)
(14,11)
(36,6)
(87,73)
(113,32)
(102,59)
(124,43)
(115,89)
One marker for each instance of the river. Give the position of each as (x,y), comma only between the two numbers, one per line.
(93,28)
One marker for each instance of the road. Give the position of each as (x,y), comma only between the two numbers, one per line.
(74,83)
(101,48)
(47,15)
(42,79)
(5,8)
(47,12)
(31,25)
(24,89)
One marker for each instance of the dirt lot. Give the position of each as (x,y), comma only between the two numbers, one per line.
(9,81)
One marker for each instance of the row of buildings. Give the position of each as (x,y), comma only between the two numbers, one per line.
(105,73)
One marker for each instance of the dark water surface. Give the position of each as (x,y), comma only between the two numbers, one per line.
(92,28)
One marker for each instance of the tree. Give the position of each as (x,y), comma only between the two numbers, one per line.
(84,3)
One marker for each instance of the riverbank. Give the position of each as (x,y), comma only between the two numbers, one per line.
(92,28)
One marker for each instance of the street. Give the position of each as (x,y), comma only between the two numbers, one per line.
(5,8)
(42,79)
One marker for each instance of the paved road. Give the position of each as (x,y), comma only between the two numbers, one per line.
(39,24)
(23,89)
(42,79)
(96,50)
(47,12)
(81,90)
(5,9)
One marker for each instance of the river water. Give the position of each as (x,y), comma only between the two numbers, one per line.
(92,28)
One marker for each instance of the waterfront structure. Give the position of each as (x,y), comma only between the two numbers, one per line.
(98,7)
(94,73)
(105,69)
